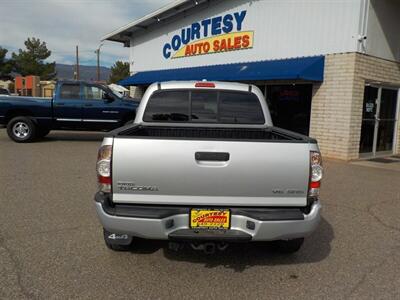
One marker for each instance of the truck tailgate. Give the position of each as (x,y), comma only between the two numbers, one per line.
(242,173)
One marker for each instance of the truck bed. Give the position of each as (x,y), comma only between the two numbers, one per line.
(227,134)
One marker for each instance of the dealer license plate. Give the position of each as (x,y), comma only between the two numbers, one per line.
(210,218)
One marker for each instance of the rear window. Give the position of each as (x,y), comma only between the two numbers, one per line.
(205,106)
(168,106)
(240,108)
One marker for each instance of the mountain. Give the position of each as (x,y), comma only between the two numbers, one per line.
(88,73)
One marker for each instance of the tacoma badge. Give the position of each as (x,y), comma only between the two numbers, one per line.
(131,186)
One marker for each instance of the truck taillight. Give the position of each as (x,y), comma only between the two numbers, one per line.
(316,173)
(103,168)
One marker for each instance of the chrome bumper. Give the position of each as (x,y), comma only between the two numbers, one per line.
(161,228)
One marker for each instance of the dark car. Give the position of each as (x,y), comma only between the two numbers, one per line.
(4,92)
(76,105)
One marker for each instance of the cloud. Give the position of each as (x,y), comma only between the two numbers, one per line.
(63,24)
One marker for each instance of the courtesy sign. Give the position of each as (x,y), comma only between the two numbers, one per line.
(214,35)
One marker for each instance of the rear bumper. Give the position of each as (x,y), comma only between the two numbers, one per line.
(173,223)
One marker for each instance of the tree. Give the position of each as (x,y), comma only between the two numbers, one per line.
(31,60)
(119,71)
(6,65)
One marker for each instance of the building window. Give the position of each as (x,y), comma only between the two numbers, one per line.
(290,106)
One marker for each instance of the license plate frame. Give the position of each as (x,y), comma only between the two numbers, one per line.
(210,218)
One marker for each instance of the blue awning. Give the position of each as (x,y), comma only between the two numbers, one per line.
(302,68)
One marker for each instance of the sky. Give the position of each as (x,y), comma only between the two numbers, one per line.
(63,24)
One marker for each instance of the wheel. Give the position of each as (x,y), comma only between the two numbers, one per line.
(113,246)
(288,246)
(21,129)
(42,132)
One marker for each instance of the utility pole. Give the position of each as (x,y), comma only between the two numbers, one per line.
(98,64)
(77,64)
(97,51)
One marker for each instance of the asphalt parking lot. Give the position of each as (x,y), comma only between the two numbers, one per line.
(51,243)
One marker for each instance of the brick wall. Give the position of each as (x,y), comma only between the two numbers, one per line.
(331,106)
(337,102)
(375,70)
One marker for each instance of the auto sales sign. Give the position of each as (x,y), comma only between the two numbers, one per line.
(214,35)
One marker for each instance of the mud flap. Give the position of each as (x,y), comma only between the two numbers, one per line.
(117,238)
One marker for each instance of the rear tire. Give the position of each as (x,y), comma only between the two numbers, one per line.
(112,246)
(288,246)
(21,129)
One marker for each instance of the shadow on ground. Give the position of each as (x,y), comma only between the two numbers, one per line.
(240,257)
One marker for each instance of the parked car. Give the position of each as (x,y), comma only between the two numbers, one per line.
(75,106)
(4,92)
(203,163)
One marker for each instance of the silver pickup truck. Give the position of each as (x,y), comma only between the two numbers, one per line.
(203,164)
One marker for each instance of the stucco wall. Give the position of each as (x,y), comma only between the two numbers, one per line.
(282,29)
(383,29)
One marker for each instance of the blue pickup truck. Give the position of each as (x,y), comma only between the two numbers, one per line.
(76,105)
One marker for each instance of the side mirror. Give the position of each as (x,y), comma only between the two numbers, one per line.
(108,98)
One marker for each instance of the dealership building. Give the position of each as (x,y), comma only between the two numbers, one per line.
(329,68)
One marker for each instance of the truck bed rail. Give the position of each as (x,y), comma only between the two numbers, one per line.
(232,134)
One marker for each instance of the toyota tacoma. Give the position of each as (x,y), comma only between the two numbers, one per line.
(203,164)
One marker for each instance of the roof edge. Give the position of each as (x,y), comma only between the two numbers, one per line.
(151,15)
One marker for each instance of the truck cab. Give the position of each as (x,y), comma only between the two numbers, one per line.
(89,106)
(76,105)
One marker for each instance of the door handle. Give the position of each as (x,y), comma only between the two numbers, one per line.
(211,156)
(88,105)
(60,104)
